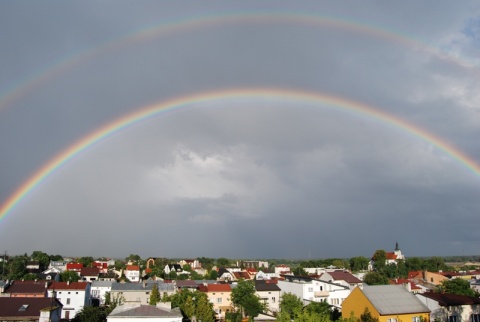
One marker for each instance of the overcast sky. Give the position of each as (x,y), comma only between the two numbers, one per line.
(244,177)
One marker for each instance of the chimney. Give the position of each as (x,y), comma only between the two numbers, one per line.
(68,282)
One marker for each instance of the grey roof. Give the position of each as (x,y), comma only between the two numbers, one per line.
(126,287)
(394,299)
(102,283)
(143,311)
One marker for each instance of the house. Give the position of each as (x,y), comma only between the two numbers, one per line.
(266,275)
(341,277)
(313,290)
(269,293)
(252,264)
(132,273)
(387,303)
(172,268)
(220,296)
(74,267)
(26,289)
(148,313)
(193,263)
(451,307)
(241,275)
(139,293)
(59,266)
(98,290)
(282,269)
(33,267)
(73,295)
(30,309)
(102,266)
(109,276)
(435,278)
(391,257)
(186,284)
(409,285)
(89,274)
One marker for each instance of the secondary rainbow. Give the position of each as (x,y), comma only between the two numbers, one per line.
(241,95)
(23,87)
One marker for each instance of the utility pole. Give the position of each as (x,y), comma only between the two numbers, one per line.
(3,269)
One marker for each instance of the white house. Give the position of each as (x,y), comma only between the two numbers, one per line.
(269,293)
(73,295)
(313,290)
(98,290)
(147,313)
(451,307)
(132,272)
(341,277)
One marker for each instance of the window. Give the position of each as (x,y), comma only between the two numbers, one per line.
(273,299)
(475,317)
(219,300)
(452,318)
(416,319)
(68,301)
(392,320)
(310,289)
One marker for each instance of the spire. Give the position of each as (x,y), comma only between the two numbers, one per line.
(396,246)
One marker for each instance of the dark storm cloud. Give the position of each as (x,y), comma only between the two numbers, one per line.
(277,179)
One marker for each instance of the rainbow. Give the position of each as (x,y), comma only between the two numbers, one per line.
(236,96)
(22,88)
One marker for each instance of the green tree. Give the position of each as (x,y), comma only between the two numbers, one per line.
(85,261)
(290,304)
(375,278)
(189,307)
(379,258)
(154,295)
(91,314)
(29,277)
(299,271)
(69,276)
(207,263)
(42,258)
(17,268)
(203,308)
(112,301)
(319,308)
(213,275)
(223,262)
(244,297)
(358,263)
(56,257)
(366,316)
(456,286)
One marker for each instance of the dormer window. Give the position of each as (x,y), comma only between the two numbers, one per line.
(23,308)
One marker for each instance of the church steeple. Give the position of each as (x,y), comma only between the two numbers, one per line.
(396,246)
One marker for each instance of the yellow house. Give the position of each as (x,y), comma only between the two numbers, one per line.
(387,303)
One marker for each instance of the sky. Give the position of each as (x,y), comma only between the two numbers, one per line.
(270,129)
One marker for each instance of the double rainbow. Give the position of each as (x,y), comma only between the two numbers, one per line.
(238,96)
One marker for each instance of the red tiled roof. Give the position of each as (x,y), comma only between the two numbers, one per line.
(67,286)
(402,281)
(26,288)
(391,255)
(89,271)
(415,274)
(239,275)
(133,268)
(345,276)
(216,288)
(74,266)
(451,299)
(9,306)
